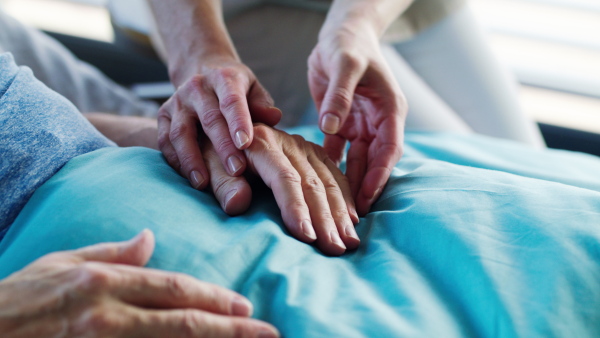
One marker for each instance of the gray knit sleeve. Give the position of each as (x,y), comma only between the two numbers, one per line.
(40,131)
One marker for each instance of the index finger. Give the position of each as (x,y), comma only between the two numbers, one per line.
(233,102)
(384,153)
(158,289)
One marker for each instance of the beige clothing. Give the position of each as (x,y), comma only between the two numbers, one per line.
(420,15)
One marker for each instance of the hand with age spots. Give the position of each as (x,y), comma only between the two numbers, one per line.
(312,193)
(103,291)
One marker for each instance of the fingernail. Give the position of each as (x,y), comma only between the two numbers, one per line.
(241,307)
(351,232)
(241,138)
(197,179)
(308,230)
(234,164)
(229,196)
(267,334)
(335,239)
(330,124)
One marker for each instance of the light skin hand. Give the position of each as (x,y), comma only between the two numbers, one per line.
(103,291)
(356,96)
(312,193)
(307,185)
(215,90)
(224,98)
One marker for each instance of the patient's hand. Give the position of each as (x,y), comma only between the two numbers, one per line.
(312,193)
(102,291)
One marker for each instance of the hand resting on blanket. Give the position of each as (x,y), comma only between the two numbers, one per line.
(103,291)
(314,196)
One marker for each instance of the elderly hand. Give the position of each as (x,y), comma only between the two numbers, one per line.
(358,101)
(102,291)
(312,193)
(224,97)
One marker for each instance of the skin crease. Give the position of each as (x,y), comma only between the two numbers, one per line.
(357,98)
(103,291)
(308,186)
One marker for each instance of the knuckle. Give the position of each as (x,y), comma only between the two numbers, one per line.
(186,161)
(176,286)
(331,185)
(231,101)
(341,97)
(179,132)
(350,60)
(227,73)
(262,131)
(312,183)
(97,320)
(299,140)
(340,214)
(289,176)
(210,119)
(190,323)
(92,277)
(241,329)
(198,83)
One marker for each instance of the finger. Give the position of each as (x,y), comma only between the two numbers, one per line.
(136,251)
(344,185)
(232,192)
(157,289)
(164,144)
(262,106)
(233,103)
(335,199)
(356,165)
(266,158)
(315,195)
(334,146)
(317,79)
(194,323)
(206,105)
(384,154)
(184,139)
(337,102)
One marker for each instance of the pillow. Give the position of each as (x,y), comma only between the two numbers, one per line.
(506,243)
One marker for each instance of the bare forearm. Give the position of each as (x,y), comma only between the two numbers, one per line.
(192,31)
(363,14)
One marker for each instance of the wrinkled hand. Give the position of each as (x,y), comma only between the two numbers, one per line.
(358,101)
(312,193)
(224,98)
(101,291)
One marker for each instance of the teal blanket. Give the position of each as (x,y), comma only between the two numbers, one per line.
(472,237)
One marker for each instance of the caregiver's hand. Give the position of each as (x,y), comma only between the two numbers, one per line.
(102,291)
(224,97)
(311,192)
(215,90)
(357,98)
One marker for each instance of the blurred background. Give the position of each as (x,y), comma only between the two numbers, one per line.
(552,46)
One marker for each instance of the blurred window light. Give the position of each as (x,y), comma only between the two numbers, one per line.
(83,18)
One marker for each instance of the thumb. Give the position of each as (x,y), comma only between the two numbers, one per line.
(262,107)
(136,251)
